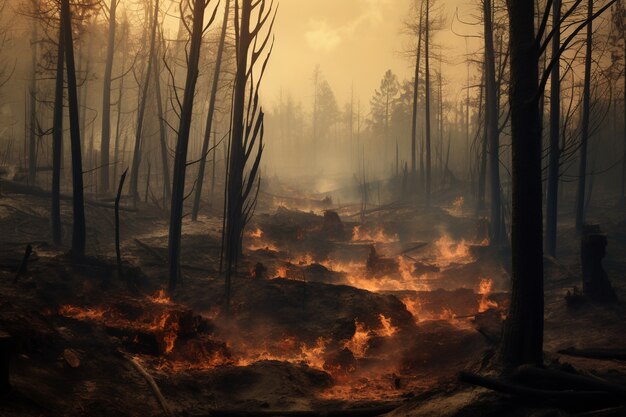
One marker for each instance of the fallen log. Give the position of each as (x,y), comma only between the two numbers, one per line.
(354,412)
(155,388)
(14,187)
(606,354)
(569,398)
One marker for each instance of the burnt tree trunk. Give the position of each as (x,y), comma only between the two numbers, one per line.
(582,167)
(427,102)
(209,119)
(555,129)
(180,161)
(523,331)
(167,187)
(414,114)
(57,142)
(106,102)
(492,129)
(32,107)
(79,230)
(134,170)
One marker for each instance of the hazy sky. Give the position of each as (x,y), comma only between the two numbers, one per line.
(354,42)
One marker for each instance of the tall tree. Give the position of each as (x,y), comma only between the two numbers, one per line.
(141,111)
(57,140)
(209,119)
(523,332)
(555,129)
(32,105)
(491,126)
(427,102)
(79,229)
(106,101)
(246,129)
(582,167)
(415,98)
(182,143)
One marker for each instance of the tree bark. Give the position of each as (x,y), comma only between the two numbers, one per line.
(209,120)
(106,102)
(180,161)
(57,142)
(523,331)
(79,230)
(414,114)
(32,131)
(582,167)
(167,187)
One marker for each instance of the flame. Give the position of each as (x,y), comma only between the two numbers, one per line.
(457,206)
(414,306)
(359,341)
(160,298)
(255,234)
(379,236)
(387,329)
(80,313)
(281,272)
(451,252)
(168,325)
(484,289)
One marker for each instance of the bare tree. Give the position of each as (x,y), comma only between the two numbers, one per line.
(246,128)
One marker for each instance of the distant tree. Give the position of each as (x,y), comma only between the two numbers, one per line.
(327,109)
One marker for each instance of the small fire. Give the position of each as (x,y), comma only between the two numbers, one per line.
(484,289)
(387,329)
(168,325)
(256,233)
(81,313)
(160,298)
(414,306)
(379,236)
(359,342)
(450,251)
(281,272)
(457,206)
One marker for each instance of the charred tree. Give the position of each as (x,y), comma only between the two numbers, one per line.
(57,142)
(555,130)
(167,188)
(182,143)
(246,129)
(209,118)
(79,230)
(427,102)
(492,128)
(134,170)
(415,98)
(523,332)
(106,102)
(582,167)
(32,107)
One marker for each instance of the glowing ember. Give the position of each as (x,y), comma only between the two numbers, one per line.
(379,236)
(79,313)
(484,289)
(281,272)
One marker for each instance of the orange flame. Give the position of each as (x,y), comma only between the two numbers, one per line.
(379,236)
(387,329)
(484,289)
(359,341)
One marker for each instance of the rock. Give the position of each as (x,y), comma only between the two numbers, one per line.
(71,358)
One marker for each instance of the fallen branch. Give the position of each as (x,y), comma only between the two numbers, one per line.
(569,379)
(155,388)
(607,354)
(24,264)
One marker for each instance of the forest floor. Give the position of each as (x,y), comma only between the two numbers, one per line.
(327,313)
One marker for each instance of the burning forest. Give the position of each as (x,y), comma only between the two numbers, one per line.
(298,208)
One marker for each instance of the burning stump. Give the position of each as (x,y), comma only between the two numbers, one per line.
(596,284)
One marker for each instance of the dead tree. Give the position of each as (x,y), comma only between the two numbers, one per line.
(555,130)
(134,170)
(79,230)
(491,127)
(415,98)
(57,142)
(167,188)
(246,129)
(523,333)
(106,102)
(209,119)
(32,107)
(582,167)
(427,101)
(180,161)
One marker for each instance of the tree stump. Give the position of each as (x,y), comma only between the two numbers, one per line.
(5,358)
(596,284)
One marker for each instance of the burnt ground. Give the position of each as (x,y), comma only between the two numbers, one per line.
(313,324)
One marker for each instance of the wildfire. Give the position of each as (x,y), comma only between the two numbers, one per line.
(281,272)
(359,341)
(451,252)
(379,236)
(484,289)
(457,206)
